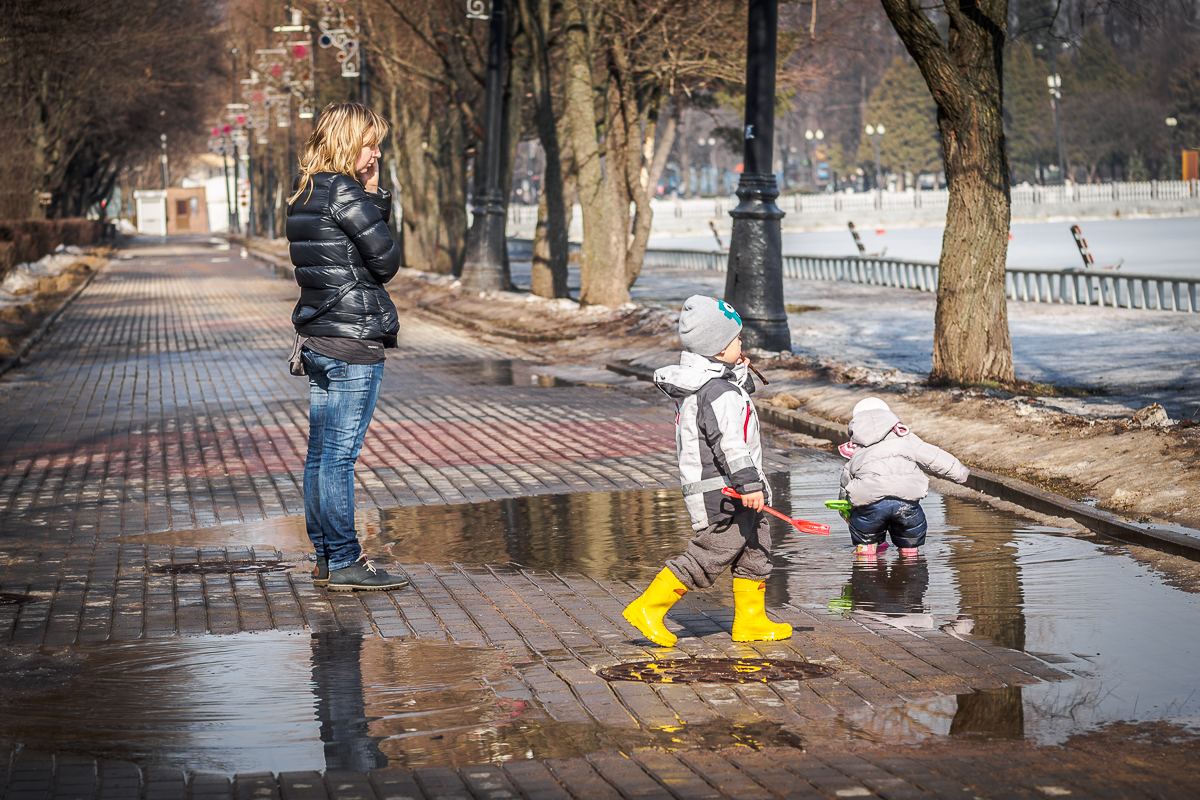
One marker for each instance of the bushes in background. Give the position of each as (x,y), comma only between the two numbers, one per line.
(26,240)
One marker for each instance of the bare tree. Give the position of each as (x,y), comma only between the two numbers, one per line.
(964,73)
(92,85)
(626,62)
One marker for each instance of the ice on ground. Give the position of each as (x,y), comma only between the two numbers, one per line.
(24,277)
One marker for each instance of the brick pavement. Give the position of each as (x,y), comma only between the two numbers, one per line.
(160,402)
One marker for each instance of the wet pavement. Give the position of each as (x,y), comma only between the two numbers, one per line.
(150,652)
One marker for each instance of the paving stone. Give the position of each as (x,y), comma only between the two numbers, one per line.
(535,780)
(717,770)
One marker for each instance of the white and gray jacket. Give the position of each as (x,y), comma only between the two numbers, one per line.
(716,435)
(886,460)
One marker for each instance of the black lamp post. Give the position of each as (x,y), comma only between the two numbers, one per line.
(754,283)
(165,179)
(875,133)
(485,268)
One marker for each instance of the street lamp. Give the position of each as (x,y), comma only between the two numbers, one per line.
(875,134)
(754,282)
(1055,83)
(486,268)
(1171,123)
(166,180)
(810,136)
(712,164)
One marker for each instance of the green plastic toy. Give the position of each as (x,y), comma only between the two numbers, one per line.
(841,506)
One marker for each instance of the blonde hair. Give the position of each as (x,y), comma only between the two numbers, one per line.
(339,136)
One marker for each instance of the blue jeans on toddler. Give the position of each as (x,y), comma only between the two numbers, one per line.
(341,401)
(903,519)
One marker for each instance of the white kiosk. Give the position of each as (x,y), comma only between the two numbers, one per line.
(151,211)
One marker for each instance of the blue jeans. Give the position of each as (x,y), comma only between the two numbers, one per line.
(341,401)
(903,519)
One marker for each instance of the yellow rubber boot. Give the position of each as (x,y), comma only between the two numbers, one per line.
(750,621)
(647,612)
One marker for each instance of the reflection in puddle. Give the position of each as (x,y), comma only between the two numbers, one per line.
(1128,640)
(620,535)
(280,702)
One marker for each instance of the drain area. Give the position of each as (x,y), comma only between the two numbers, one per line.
(715,670)
(222,567)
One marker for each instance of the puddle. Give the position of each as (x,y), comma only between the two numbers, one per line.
(281,702)
(495,372)
(273,701)
(726,671)
(1128,640)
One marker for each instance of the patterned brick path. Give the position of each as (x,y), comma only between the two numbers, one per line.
(160,402)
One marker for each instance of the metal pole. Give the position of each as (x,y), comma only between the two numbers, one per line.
(1055,96)
(237,180)
(364,76)
(754,282)
(231,201)
(165,175)
(251,223)
(878,168)
(486,269)
(269,189)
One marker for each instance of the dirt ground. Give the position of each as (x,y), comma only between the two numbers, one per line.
(1129,465)
(18,321)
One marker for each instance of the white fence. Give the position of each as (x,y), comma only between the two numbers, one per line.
(1070,286)
(525,217)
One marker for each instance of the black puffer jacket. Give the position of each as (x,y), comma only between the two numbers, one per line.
(343,253)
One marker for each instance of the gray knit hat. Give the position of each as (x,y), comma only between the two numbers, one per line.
(707,325)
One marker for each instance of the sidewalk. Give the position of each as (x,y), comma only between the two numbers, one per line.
(153,577)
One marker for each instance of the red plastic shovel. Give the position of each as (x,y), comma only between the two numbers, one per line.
(802,525)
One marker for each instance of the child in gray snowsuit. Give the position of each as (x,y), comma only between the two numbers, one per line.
(716,437)
(884,481)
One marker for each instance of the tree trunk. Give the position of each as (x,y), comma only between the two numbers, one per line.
(551,247)
(971,341)
(653,158)
(602,259)
(428,145)
(550,243)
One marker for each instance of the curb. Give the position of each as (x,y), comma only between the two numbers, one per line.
(1172,539)
(15,359)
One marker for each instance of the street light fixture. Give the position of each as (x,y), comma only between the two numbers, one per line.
(875,134)
(485,268)
(811,136)
(1171,123)
(1054,82)
(712,163)
(166,180)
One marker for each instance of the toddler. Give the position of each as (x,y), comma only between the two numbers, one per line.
(884,482)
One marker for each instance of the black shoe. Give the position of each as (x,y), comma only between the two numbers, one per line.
(320,573)
(363,576)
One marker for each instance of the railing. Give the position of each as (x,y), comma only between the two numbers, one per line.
(1069,286)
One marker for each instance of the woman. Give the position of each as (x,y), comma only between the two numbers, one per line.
(343,253)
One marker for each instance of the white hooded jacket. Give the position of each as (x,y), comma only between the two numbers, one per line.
(886,460)
(716,435)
